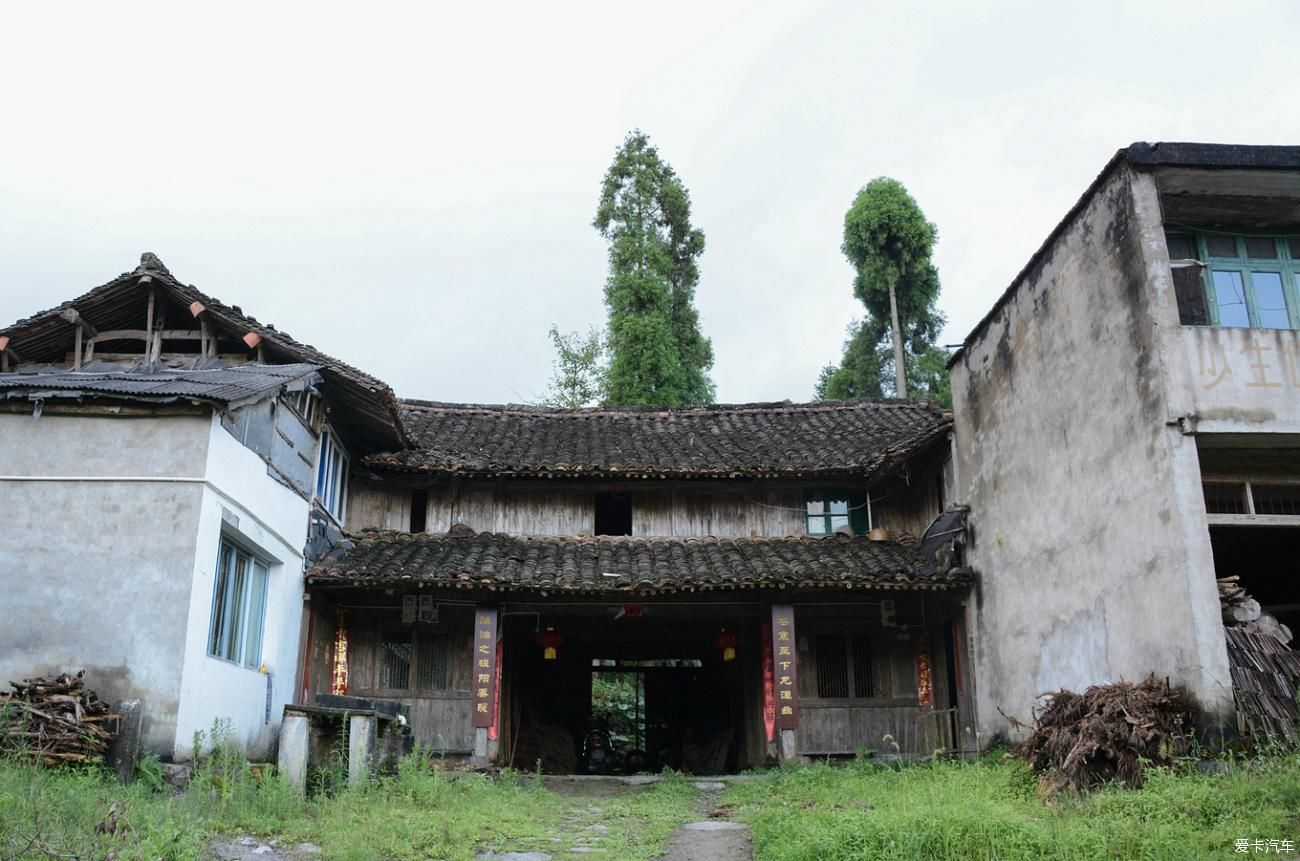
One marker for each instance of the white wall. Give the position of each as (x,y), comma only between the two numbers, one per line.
(242,500)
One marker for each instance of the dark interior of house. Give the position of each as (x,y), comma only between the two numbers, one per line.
(1267,559)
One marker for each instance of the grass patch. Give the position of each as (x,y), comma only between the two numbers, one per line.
(416,814)
(991,809)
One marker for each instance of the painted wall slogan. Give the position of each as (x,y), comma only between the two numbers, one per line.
(787,696)
(1251,364)
(485,665)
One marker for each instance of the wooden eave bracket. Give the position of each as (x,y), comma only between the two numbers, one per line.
(7,354)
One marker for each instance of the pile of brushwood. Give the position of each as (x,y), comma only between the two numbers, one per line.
(56,720)
(1107,733)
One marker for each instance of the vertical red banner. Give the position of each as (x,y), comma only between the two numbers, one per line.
(495,728)
(769,684)
(924,687)
(785,667)
(485,665)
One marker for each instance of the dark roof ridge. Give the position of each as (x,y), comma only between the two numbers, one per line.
(633,410)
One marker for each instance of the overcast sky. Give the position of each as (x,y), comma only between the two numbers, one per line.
(411,188)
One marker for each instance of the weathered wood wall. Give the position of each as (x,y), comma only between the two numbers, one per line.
(440,720)
(684,509)
(892,720)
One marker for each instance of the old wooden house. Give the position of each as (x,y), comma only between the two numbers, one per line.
(722,557)
(241,522)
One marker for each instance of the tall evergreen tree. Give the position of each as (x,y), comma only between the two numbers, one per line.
(889,243)
(657,354)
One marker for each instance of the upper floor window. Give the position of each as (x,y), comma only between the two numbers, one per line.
(613,514)
(238,606)
(332,476)
(828,510)
(1236,280)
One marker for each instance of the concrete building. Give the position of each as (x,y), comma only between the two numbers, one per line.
(1128,429)
(161,490)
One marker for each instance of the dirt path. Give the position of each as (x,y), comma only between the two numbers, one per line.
(714,837)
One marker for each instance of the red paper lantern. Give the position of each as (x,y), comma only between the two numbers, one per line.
(726,643)
(550,640)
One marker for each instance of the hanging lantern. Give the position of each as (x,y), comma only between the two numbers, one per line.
(726,643)
(550,640)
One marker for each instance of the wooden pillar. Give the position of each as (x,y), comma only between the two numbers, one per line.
(786,680)
(485,683)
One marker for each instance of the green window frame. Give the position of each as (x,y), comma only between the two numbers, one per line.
(1249,281)
(828,509)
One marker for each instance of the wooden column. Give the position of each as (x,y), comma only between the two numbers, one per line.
(786,679)
(484,680)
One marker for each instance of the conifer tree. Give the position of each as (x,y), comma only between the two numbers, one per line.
(657,354)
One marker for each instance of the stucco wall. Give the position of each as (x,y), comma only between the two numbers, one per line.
(240,500)
(1069,462)
(97,550)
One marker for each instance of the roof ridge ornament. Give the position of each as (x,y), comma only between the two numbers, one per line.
(150,262)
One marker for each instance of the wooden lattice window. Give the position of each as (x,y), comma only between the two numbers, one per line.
(844,666)
(414,660)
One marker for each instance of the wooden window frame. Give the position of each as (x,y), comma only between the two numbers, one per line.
(882,659)
(412,689)
(855,509)
(1285,264)
(1250,518)
(331,485)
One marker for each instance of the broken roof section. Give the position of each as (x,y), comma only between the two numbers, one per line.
(604,564)
(224,387)
(118,307)
(772,440)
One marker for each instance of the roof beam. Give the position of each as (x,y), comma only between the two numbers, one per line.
(7,354)
(74,317)
(84,330)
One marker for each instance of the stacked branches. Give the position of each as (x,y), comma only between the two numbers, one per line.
(56,720)
(1109,732)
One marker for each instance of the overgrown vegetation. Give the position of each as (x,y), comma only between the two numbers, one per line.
(419,813)
(991,809)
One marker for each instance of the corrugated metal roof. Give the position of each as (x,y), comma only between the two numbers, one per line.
(217,385)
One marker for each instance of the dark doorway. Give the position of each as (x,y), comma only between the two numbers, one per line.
(658,687)
(1264,557)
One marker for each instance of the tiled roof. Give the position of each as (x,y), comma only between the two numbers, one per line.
(740,440)
(634,565)
(119,304)
(223,386)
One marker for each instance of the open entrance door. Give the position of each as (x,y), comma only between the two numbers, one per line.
(589,691)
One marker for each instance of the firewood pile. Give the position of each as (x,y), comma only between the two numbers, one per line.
(1081,741)
(1243,612)
(1265,677)
(56,720)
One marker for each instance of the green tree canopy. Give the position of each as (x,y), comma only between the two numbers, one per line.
(889,242)
(578,372)
(657,354)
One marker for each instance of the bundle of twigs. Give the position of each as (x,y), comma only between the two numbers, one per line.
(1109,732)
(56,720)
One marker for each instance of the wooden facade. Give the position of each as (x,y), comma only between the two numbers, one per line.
(721,509)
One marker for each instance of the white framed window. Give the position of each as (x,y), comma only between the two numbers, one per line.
(238,606)
(332,476)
